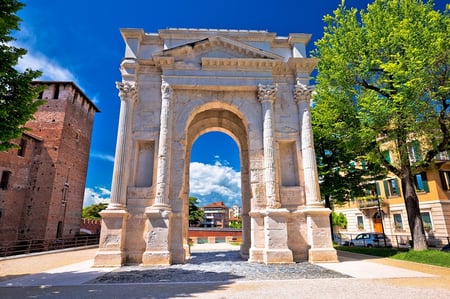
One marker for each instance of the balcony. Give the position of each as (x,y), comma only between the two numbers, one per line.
(369,202)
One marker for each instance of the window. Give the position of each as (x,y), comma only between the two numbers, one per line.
(414,151)
(391,187)
(22,147)
(5,180)
(360,222)
(445,179)
(56,92)
(426,219)
(421,183)
(398,222)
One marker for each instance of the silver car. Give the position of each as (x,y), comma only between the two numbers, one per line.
(371,240)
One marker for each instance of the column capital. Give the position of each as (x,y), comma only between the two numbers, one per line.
(267,93)
(303,92)
(166,90)
(127,91)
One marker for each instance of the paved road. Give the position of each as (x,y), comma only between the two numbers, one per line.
(217,272)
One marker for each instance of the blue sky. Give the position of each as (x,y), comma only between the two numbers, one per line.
(80,41)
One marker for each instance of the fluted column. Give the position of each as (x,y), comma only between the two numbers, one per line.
(128,97)
(161,199)
(267,95)
(303,99)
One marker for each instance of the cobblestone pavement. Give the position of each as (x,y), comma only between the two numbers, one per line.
(214,267)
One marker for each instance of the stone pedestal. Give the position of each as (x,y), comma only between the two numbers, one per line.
(112,242)
(257,237)
(319,235)
(157,236)
(276,250)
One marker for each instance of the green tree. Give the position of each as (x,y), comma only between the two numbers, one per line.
(236,223)
(17,94)
(92,212)
(390,65)
(195,214)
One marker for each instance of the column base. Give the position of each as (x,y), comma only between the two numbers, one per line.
(278,256)
(156,258)
(256,255)
(322,255)
(109,259)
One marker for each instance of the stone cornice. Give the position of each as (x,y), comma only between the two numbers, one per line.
(299,38)
(303,65)
(190,34)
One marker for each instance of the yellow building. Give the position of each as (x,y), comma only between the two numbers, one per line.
(384,208)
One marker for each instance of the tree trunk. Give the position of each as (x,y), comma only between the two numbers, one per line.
(413,211)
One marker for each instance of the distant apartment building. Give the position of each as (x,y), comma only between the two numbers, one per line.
(215,215)
(383,209)
(43,180)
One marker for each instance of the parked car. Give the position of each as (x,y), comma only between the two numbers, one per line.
(371,240)
(341,239)
(446,248)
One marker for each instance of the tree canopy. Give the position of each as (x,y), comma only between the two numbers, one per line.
(385,70)
(195,214)
(17,94)
(92,211)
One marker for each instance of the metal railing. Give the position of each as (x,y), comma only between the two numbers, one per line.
(41,245)
(405,240)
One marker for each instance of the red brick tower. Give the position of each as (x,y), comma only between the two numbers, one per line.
(43,184)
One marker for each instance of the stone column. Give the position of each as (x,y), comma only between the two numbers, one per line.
(274,217)
(112,240)
(165,134)
(267,95)
(317,217)
(311,178)
(158,227)
(128,96)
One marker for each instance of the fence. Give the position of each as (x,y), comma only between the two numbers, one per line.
(405,240)
(32,246)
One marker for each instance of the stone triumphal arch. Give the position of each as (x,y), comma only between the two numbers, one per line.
(178,84)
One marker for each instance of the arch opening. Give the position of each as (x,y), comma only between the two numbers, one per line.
(226,129)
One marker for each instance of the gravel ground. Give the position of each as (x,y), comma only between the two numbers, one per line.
(216,266)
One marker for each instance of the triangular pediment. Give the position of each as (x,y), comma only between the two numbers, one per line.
(191,55)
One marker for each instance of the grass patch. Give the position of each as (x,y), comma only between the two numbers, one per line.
(430,257)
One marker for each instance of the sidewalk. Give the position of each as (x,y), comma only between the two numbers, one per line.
(70,274)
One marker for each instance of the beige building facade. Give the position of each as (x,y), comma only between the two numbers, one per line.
(178,84)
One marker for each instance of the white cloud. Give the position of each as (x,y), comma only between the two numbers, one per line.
(96,195)
(51,70)
(210,183)
(101,156)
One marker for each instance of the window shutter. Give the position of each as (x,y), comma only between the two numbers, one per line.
(425,182)
(397,186)
(443,182)
(377,186)
(386,188)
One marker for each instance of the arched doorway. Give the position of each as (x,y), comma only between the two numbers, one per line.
(214,117)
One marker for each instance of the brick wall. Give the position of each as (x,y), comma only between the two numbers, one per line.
(57,173)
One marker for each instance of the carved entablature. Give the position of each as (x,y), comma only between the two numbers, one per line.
(302,92)
(267,93)
(127,91)
(215,52)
